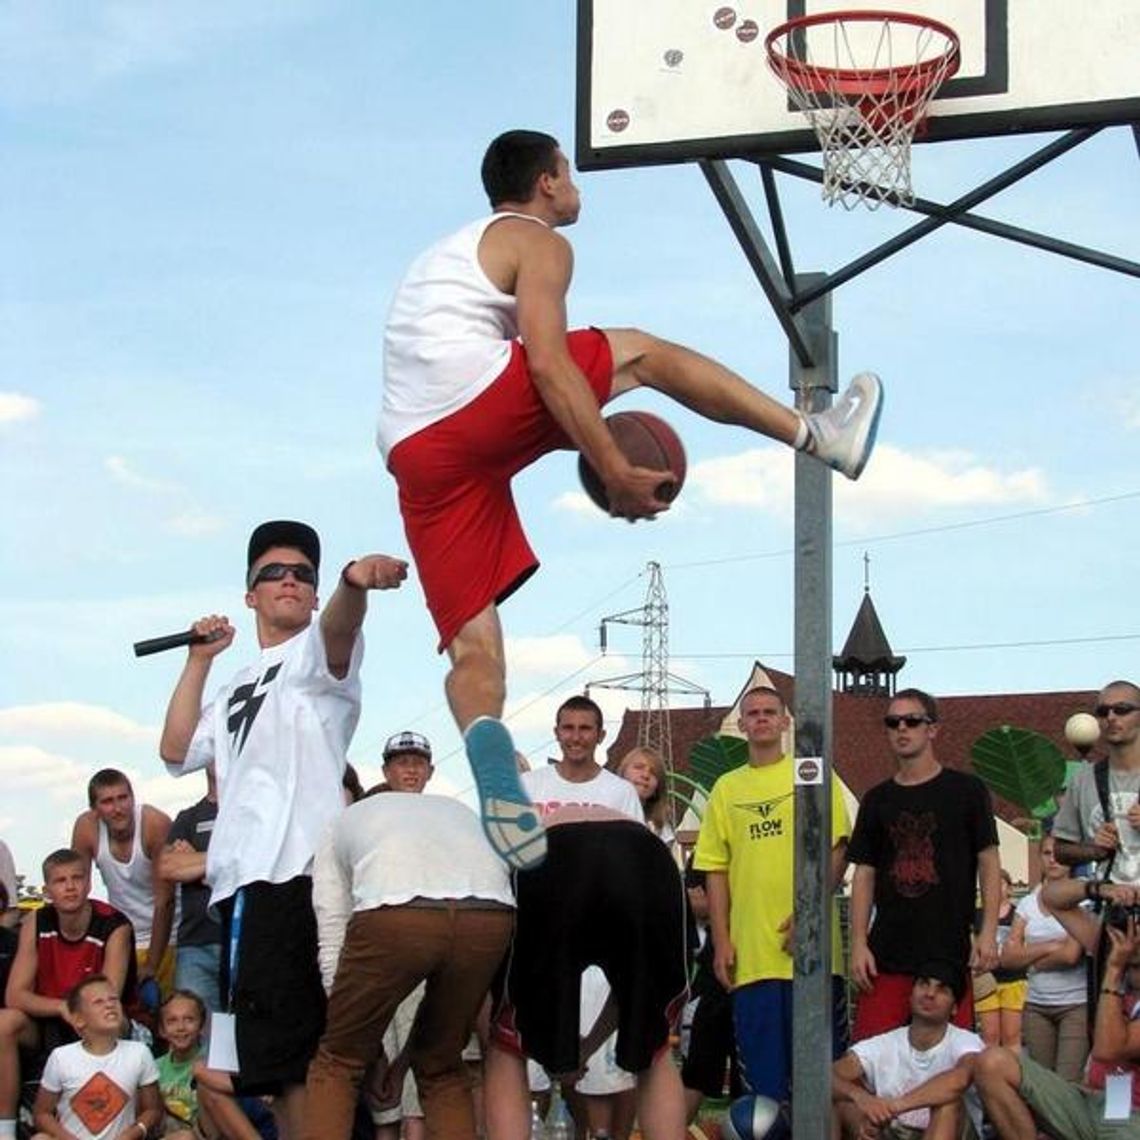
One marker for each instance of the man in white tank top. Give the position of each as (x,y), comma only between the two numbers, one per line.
(123,838)
(481,377)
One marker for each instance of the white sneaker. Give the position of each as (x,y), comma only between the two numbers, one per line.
(844,434)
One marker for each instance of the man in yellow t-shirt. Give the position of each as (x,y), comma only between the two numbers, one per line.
(747,848)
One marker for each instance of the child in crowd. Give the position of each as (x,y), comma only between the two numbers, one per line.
(180,1022)
(199,1102)
(99,1087)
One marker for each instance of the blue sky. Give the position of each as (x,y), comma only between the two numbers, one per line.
(206,208)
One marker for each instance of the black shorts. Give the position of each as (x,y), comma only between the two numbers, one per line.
(710,1045)
(278,1001)
(608,894)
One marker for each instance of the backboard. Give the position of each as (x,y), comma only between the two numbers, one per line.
(675,80)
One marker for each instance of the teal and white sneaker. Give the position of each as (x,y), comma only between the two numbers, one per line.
(510,821)
(843,435)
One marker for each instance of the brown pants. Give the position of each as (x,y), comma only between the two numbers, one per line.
(387,953)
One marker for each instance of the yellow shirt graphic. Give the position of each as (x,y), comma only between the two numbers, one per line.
(748,831)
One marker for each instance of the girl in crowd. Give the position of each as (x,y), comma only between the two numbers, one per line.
(645,770)
(1056,1012)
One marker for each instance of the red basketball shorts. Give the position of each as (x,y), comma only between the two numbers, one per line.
(454,481)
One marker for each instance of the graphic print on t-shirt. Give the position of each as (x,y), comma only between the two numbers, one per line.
(764,826)
(913,872)
(245,704)
(98,1102)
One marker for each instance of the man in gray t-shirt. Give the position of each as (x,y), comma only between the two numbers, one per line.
(1083,831)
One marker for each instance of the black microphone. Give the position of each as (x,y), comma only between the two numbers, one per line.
(170,641)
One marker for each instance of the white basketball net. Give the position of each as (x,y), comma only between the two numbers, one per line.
(865,81)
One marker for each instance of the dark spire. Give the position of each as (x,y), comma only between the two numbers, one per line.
(867,666)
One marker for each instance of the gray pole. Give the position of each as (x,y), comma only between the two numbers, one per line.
(811,1038)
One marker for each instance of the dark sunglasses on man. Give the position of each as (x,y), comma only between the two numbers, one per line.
(1119,708)
(275,572)
(911,720)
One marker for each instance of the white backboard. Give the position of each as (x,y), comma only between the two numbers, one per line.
(676,80)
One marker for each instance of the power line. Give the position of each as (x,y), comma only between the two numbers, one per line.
(768,655)
(917,532)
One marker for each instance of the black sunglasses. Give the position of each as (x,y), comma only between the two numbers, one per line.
(913,720)
(275,572)
(1120,708)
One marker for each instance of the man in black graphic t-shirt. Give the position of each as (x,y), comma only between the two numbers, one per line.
(922,840)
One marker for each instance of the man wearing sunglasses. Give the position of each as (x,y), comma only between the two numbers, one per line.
(1087,832)
(277,734)
(922,841)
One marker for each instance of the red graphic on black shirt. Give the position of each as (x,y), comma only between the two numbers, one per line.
(98,1102)
(913,872)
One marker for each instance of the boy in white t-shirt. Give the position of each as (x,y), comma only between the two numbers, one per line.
(99,1087)
(886,1082)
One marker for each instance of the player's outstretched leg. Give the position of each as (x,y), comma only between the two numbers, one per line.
(843,435)
(510,820)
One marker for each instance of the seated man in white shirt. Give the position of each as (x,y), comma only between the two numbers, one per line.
(884,1085)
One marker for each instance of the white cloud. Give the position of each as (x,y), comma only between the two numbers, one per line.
(762,478)
(555,655)
(26,767)
(194,523)
(72,718)
(578,503)
(902,480)
(15,407)
(122,472)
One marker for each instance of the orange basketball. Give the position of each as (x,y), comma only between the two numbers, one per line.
(645,440)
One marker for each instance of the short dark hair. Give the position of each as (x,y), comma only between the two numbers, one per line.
(580,704)
(61,857)
(75,994)
(929,704)
(513,163)
(106,778)
(766,691)
(1122,684)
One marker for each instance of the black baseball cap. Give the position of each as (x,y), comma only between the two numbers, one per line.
(945,971)
(284,532)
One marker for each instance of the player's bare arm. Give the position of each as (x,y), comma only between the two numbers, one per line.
(155,827)
(984,955)
(185,707)
(21,992)
(542,277)
(344,613)
(863,968)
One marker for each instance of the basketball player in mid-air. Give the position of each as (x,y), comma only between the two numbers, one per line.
(481,377)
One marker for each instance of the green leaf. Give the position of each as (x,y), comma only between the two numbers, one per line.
(1024,767)
(715,755)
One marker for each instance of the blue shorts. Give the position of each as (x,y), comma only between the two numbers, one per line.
(762,1014)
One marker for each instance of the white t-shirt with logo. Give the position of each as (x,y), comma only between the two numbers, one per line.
(892,1067)
(550,791)
(97,1091)
(278,734)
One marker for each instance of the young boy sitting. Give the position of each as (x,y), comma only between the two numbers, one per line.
(99,1087)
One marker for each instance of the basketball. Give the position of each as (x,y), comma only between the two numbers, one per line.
(756,1118)
(645,440)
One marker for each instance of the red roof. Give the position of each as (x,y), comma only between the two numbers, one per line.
(860,753)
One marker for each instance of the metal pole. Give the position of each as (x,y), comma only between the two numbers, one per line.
(811,993)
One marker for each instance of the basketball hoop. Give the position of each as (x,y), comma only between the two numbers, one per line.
(865,80)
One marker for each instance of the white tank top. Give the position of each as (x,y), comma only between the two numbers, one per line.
(448,336)
(130,885)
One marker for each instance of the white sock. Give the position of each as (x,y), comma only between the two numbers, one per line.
(803,434)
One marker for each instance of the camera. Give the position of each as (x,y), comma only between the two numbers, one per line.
(1117,915)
